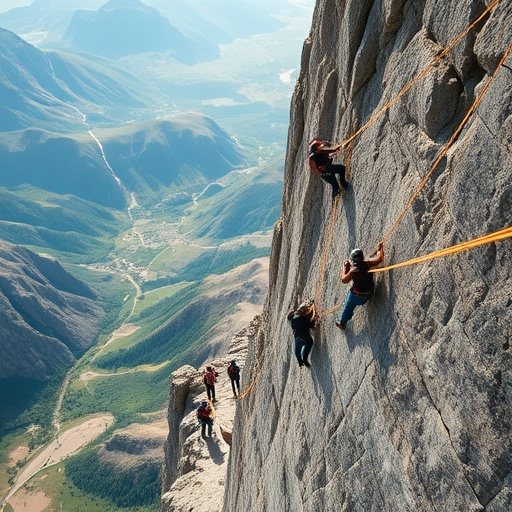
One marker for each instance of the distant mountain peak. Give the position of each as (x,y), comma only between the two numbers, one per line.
(127,27)
(125,4)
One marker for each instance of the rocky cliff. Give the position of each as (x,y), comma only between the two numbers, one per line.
(409,408)
(194,472)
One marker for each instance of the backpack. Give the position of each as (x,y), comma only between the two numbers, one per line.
(209,378)
(233,371)
(203,412)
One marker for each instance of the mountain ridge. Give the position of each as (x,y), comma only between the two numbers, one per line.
(48,315)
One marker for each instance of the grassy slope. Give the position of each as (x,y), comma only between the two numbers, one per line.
(66,227)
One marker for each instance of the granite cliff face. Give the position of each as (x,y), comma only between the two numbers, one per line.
(410,407)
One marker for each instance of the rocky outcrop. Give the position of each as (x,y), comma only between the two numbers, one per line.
(194,472)
(47,316)
(410,407)
(136,448)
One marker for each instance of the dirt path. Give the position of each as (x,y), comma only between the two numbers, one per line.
(67,443)
(58,406)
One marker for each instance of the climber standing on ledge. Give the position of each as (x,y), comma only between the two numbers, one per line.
(320,162)
(356,269)
(302,321)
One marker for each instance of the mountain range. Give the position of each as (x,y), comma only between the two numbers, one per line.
(126,27)
(188,149)
(122,27)
(48,316)
(48,90)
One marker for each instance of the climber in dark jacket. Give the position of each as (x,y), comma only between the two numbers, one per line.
(209,380)
(234,375)
(302,321)
(320,162)
(356,269)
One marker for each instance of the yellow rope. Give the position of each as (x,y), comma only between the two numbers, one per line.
(419,76)
(372,119)
(464,246)
(331,309)
(393,100)
(327,246)
(467,245)
(330,231)
(448,144)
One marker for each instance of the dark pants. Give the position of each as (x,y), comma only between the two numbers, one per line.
(235,380)
(302,349)
(204,423)
(351,303)
(210,391)
(329,175)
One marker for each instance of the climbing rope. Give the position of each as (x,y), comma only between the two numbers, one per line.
(327,246)
(419,76)
(445,148)
(330,231)
(374,117)
(499,235)
(464,246)
(348,141)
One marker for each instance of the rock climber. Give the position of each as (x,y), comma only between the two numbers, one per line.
(356,269)
(303,320)
(209,380)
(234,375)
(204,416)
(320,162)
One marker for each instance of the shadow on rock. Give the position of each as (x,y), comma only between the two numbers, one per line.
(215,453)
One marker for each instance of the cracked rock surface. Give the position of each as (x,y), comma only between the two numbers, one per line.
(410,407)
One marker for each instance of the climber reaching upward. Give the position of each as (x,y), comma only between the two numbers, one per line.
(356,269)
(320,162)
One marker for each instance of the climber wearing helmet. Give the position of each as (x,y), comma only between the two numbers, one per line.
(320,162)
(356,269)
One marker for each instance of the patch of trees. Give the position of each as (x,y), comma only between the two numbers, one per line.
(137,486)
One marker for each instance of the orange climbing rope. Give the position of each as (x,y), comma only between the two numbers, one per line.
(467,245)
(445,148)
(374,117)
(464,246)
(328,241)
(419,76)
(327,246)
